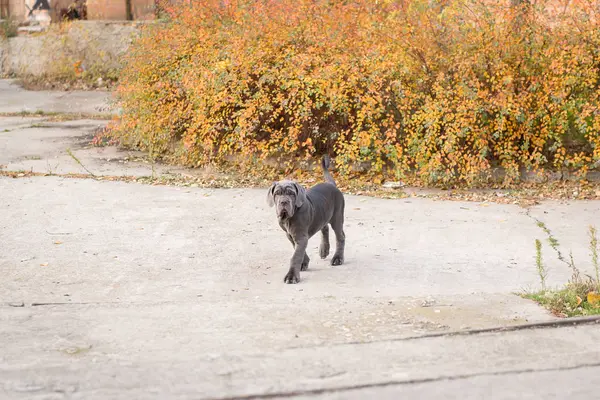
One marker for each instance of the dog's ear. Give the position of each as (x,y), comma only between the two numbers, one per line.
(271,195)
(300,195)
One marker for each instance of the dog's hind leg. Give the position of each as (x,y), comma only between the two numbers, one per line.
(324,246)
(305,260)
(337,224)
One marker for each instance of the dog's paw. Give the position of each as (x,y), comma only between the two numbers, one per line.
(324,250)
(292,277)
(337,260)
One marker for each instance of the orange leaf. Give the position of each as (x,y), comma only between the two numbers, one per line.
(593,298)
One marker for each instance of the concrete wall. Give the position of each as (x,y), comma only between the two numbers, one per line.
(17,9)
(97,45)
(107,9)
(96,9)
(117,10)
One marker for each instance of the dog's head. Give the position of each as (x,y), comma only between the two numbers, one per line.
(286,196)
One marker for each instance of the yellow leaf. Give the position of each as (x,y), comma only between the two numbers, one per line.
(579,300)
(58,242)
(593,298)
(44,264)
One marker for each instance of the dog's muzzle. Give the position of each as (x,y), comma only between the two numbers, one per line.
(285,210)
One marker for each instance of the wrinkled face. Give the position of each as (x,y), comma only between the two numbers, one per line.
(286,196)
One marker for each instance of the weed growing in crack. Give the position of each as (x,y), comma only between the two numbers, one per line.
(594,249)
(69,152)
(540,264)
(51,170)
(551,240)
(580,296)
(575,275)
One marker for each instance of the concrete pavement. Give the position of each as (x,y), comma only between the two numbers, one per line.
(122,290)
(41,145)
(14,99)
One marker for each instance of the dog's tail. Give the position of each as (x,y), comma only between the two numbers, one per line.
(325,162)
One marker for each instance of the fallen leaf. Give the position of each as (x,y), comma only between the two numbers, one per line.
(579,300)
(58,242)
(43,264)
(593,298)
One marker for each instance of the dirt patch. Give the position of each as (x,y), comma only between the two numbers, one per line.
(39,83)
(57,116)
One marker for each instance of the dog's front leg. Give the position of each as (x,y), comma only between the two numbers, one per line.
(305,260)
(293,275)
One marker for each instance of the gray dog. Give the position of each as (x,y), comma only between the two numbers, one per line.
(303,213)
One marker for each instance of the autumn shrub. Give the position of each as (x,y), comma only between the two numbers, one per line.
(79,53)
(72,55)
(443,91)
(8,28)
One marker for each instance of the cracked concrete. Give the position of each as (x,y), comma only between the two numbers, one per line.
(569,224)
(14,99)
(558,383)
(168,287)
(121,290)
(40,145)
